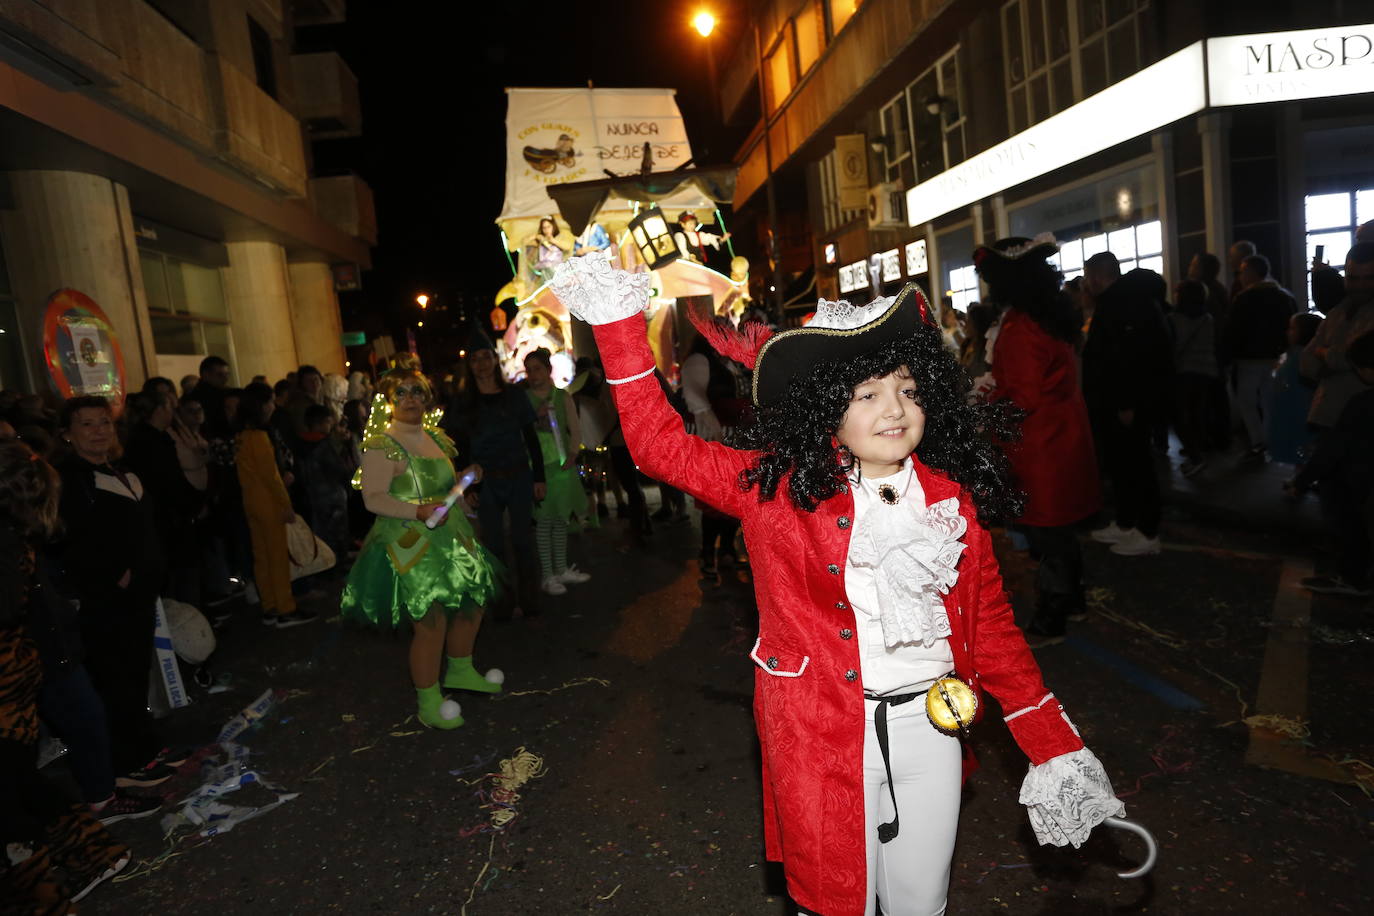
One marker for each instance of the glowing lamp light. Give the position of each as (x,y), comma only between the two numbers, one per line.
(653,238)
(704,23)
(423,300)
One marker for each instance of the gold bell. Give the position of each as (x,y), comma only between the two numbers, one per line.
(951,706)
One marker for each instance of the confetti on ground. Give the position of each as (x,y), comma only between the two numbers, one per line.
(501,800)
(566,685)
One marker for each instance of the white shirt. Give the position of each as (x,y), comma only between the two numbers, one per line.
(910,666)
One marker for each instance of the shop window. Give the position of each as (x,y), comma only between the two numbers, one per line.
(810,28)
(1058,52)
(264,64)
(1331,220)
(186,306)
(936,116)
(832,216)
(841,11)
(1140,245)
(961,287)
(957,277)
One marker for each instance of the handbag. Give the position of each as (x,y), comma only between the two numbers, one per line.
(309,554)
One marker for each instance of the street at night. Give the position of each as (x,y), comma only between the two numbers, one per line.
(704,458)
(649,802)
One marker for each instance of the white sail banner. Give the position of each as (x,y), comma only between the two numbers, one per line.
(558,136)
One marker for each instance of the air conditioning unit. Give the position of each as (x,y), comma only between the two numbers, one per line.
(886,206)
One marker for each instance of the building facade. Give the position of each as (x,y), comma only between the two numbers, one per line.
(156,156)
(922,129)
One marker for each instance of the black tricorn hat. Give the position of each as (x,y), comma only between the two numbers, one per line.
(839,332)
(1007,259)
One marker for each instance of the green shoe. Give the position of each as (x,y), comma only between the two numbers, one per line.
(430,699)
(460,675)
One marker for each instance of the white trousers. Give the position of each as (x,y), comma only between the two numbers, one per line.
(909,876)
(1254,380)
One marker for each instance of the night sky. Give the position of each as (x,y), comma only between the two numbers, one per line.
(432,76)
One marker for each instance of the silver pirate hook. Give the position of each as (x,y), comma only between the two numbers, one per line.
(1151,847)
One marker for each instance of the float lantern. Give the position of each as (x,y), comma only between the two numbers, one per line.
(653,238)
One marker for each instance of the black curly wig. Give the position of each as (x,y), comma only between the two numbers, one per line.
(796,435)
(1036,290)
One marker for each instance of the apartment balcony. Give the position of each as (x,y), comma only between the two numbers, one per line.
(258,135)
(326,96)
(345,201)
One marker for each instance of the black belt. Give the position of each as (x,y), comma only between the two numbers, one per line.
(888,832)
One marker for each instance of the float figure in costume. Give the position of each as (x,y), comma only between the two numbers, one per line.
(437,578)
(860,487)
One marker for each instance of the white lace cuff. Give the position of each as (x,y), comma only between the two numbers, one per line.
(598,293)
(1067,796)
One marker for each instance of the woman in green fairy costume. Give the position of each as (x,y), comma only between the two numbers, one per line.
(439,579)
(560,437)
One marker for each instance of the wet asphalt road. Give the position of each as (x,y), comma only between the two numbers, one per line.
(650,798)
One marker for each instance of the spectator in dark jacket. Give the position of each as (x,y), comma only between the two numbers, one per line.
(1343,462)
(214,383)
(174,502)
(324,476)
(111,556)
(1195,364)
(1256,336)
(1127,373)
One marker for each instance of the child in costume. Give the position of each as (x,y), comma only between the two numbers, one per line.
(560,437)
(860,493)
(437,578)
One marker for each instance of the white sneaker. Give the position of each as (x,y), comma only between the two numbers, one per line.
(1112,534)
(573,576)
(552,586)
(1136,544)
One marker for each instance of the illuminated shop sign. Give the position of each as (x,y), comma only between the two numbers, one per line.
(892,265)
(1282,66)
(1127,109)
(916,262)
(1237,70)
(854,276)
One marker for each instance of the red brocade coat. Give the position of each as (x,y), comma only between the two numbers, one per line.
(808,689)
(1054,461)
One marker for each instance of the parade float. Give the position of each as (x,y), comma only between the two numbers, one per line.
(609,173)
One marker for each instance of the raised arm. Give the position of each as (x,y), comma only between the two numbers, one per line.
(613,301)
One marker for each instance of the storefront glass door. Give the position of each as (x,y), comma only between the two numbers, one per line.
(1331,222)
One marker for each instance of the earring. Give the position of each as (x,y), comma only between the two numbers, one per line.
(846,457)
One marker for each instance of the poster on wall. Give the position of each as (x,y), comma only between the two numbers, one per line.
(81,349)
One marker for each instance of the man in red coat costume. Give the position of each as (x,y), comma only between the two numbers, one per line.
(1035,366)
(813,710)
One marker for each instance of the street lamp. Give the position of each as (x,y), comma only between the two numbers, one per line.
(705,24)
(423,300)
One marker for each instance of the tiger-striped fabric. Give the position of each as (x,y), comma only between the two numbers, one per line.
(21,674)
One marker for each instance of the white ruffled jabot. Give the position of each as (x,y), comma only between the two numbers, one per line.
(913,555)
(598,293)
(1067,796)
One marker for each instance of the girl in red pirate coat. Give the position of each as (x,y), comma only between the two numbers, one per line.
(882,616)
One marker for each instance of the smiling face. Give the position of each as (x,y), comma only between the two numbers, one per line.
(92,434)
(537,372)
(483,363)
(884,423)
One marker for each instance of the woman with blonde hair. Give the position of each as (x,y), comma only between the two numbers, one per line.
(421,562)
